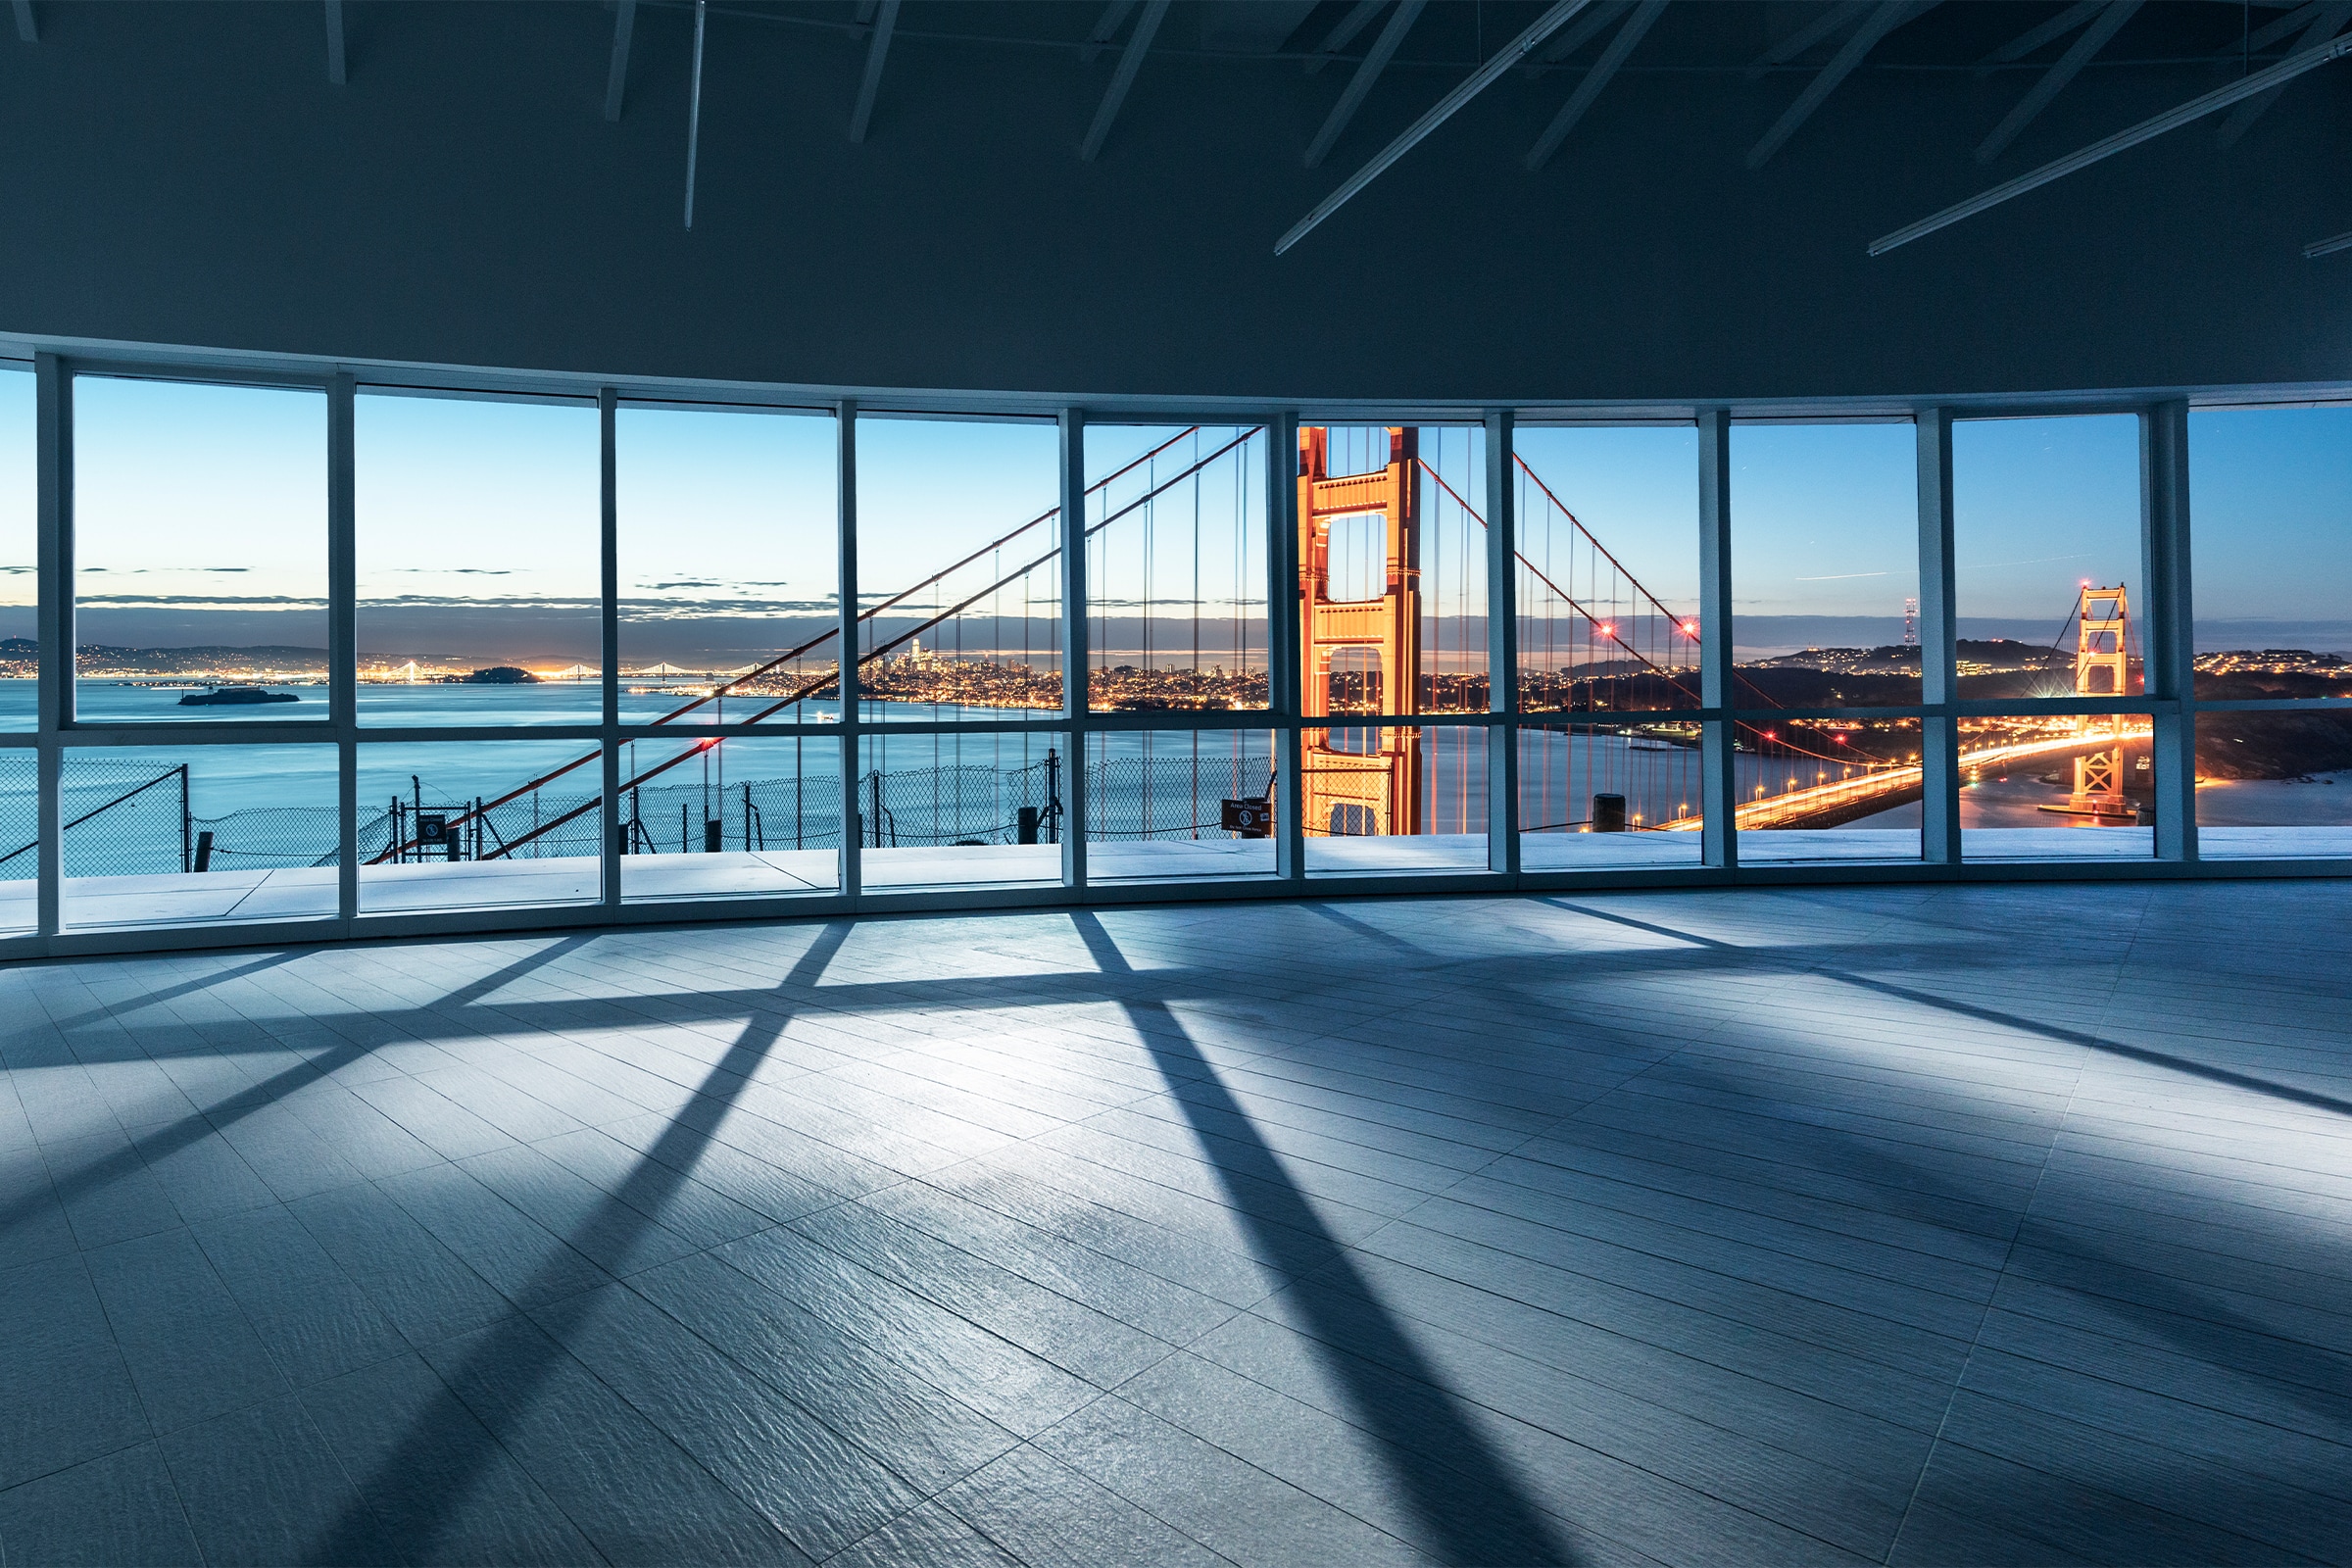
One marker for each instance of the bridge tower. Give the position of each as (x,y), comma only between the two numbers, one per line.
(2102,666)
(1351,783)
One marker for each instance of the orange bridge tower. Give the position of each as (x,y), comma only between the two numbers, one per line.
(2102,668)
(1360,656)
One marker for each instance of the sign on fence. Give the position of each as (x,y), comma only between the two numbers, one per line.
(1252,819)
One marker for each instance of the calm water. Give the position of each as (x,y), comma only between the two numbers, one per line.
(1560,773)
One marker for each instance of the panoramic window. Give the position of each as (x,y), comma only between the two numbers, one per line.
(1605,796)
(958,569)
(478,559)
(1392,625)
(2271,510)
(742,818)
(491,825)
(954,809)
(729,542)
(20,839)
(198,835)
(1825,567)
(19,556)
(2046,557)
(1176,568)
(199,551)
(1174,805)
(1608,591)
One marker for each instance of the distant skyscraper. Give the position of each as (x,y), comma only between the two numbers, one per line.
(1910,624)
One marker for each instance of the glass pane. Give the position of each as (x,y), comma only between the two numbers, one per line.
(199,551)
(736,818)
(2045,544)
(1396,798)
(1392,570)
(200,835)
(1176,566)
(462,825)
(19,653)
(20,841)
(1825,555)
(2275,785)
(1174,805)
(1601,795)
(2271,504)
(729,579)
(960,810)
(479,575)
(960,568)
(1608,567)
(2056,788)
(1819,788)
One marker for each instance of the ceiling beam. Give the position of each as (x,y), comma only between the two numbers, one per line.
(2196,109)
(1577,34)
(616,78)
(1511,54)
(1595,80)
(1106,27)
(1139,42)
(1888,16)
(334,41)
(1359,85)
(2325,25)
(877,50)
(2270,33)
(1343,33)
(25,28)
(1841,15)
(693,108)
(2033,38)
(2054,81)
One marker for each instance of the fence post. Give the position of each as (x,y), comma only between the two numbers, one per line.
(188,826)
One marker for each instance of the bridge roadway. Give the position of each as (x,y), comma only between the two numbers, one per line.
(1846,799)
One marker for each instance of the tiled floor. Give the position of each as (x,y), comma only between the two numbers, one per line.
(1863,1225)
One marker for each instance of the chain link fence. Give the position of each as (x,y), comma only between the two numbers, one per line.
(1181,797)
(127,820)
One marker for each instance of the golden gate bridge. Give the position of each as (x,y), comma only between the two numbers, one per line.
(1597,648)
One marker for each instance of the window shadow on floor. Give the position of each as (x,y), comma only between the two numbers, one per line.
(2197,1322)
(518,1354)
(146,1149)
(1466,1495)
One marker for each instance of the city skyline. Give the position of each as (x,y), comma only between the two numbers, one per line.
(200,520)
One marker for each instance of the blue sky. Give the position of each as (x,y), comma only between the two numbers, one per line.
(204,506)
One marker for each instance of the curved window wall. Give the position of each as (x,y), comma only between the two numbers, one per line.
(318,655)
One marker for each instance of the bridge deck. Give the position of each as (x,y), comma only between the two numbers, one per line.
(1855,1225)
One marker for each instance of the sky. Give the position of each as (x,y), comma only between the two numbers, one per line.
(199,518)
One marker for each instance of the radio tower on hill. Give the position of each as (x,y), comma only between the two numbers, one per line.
(1910,624)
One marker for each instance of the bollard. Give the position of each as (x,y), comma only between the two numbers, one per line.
(204,849)
(711,829)
(1025,824)
(1608,813)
